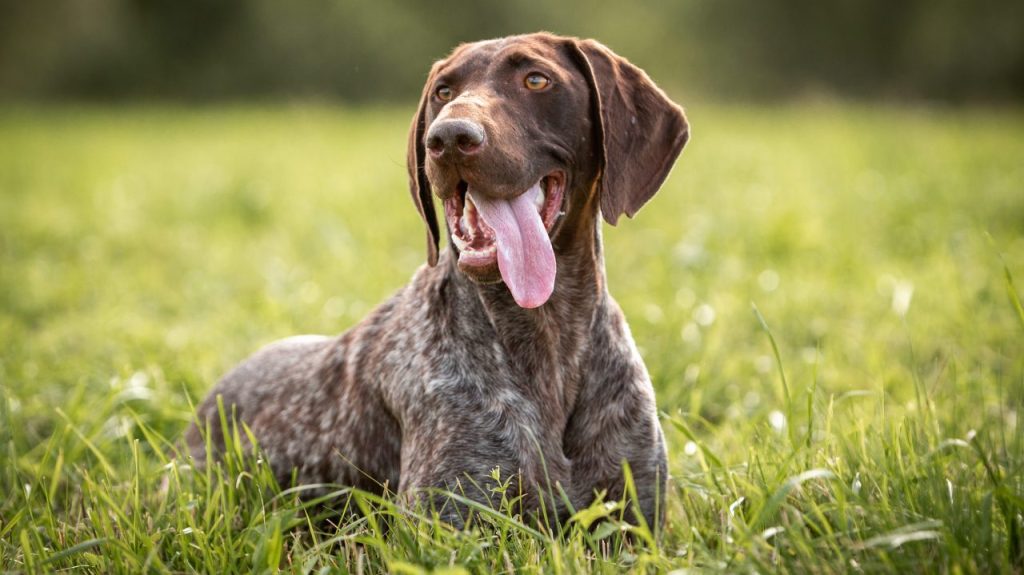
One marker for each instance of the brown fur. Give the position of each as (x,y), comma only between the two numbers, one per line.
(450,378)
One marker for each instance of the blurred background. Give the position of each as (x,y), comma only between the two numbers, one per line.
(353,51)
(183,181)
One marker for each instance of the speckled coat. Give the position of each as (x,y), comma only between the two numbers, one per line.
(449,378)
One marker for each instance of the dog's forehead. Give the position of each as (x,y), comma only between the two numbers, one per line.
(479,56)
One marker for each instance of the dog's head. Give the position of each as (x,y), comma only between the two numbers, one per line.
(522,138)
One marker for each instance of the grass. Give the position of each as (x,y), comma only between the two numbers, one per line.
(823,295)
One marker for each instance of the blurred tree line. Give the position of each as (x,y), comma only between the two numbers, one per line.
(946,50)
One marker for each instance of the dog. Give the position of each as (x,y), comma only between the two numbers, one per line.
(505,352)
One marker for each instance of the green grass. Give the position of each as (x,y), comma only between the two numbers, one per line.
(874,428)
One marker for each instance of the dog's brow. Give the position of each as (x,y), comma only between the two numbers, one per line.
(448,78)
(520,59)
(451,72)
(447,72)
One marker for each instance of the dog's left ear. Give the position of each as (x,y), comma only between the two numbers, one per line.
(641,131)
(419,186)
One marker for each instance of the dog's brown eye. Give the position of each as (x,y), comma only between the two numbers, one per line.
(444,93)
(537,81)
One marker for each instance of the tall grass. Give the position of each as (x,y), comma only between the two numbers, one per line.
(824,297)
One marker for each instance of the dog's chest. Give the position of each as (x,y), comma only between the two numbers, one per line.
(486,379)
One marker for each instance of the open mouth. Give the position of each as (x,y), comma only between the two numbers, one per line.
(476,239)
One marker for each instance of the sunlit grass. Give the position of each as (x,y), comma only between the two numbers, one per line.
(823,295)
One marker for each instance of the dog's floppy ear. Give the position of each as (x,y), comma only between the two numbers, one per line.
(641,132)
(419,186)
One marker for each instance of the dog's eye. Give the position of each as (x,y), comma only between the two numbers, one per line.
(443,93)
(537,81)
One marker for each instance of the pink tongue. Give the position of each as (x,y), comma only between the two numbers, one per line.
(525,257)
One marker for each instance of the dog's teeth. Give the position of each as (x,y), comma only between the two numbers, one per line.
(468,215)
(459,242)
(539,199)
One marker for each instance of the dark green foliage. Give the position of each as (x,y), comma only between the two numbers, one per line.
(945,50)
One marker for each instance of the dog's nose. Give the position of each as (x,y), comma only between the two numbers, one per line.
(457,137)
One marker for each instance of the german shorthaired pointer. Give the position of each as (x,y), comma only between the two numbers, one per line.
(507,350)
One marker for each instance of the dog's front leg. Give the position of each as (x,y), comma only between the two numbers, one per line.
(615,421)
(607,432)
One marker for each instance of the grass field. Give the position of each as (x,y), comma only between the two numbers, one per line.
(144,251)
